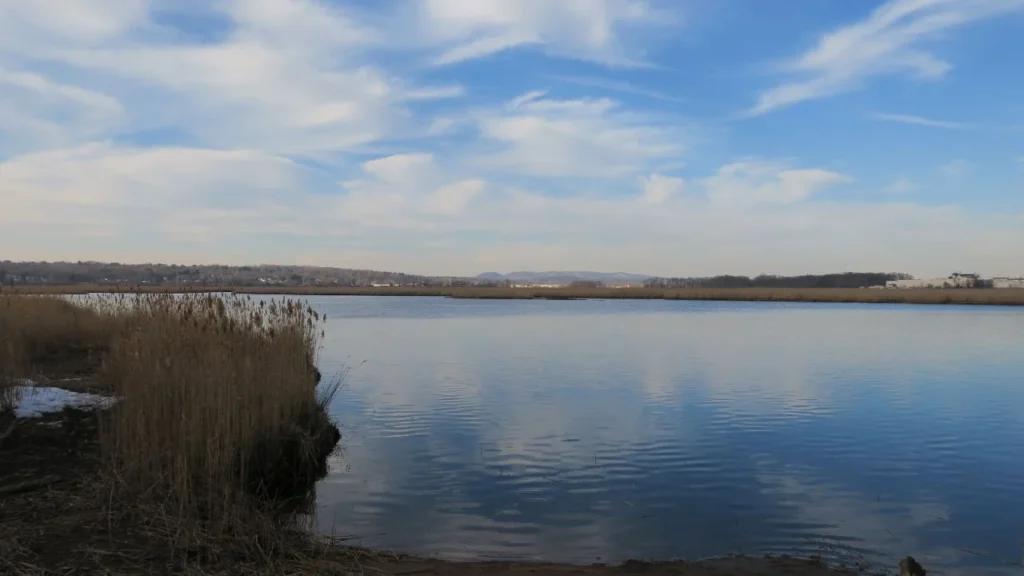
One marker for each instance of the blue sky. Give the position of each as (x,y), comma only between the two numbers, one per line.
(677,137)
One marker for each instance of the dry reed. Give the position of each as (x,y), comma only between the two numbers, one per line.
(215,391)
(35,330)
(43,333)
(220,415)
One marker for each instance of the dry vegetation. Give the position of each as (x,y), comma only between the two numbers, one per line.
(993,297)
(37,332)
(218,427)
(211,390)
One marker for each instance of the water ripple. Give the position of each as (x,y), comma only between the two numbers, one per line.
(597,431)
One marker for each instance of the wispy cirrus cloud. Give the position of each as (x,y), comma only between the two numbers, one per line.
(919,121)
(37,112)
(578,29)
(892,40)
(618,86)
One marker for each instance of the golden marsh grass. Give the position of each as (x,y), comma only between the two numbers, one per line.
(206,382)
(219,415)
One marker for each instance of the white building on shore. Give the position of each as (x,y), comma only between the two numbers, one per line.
(1008,282)
(957,280)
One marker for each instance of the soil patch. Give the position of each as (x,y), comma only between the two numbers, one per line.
(61,445)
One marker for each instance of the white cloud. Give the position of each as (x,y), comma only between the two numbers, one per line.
(44,23)
(403,191)
(918,121)
(658,189)
(105,187)
(751,183)
(580,29)
(413,212)
(36,113)
(315,29)
(287,76)
(402,169)
(541,136)
(452,199)
(243,93)
(890,41)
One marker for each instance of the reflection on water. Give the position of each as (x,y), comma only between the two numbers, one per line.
(599,430)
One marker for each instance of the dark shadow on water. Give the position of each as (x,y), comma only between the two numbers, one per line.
(283,468)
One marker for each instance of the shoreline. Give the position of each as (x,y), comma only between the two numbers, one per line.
(955,296)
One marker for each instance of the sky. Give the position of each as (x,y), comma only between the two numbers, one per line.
(675,137)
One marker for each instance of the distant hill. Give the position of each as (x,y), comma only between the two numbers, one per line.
(564,277)
(16,273)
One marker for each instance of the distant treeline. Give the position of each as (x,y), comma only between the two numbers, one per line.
(37,273)
(843,280)
(104,273)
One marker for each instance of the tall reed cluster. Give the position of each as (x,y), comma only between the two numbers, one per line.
(220,412)
(48,333)
(219,401)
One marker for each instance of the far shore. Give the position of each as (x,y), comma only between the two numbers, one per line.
(974,296)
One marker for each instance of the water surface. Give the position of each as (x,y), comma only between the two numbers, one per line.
(595,431)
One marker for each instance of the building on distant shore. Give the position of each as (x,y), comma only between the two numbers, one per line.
(1007,282)
(958,280)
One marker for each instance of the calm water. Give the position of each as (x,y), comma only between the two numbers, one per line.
(594,431)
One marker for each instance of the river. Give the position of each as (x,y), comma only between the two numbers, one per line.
(595,431)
